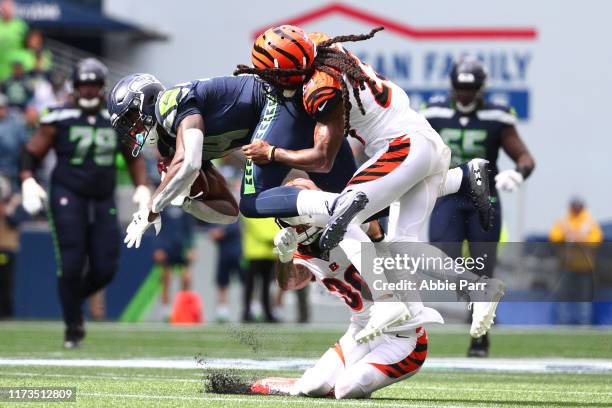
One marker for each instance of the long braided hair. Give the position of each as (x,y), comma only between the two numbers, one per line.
(334,62)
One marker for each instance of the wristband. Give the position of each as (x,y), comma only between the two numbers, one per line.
(271,153)
(523,171)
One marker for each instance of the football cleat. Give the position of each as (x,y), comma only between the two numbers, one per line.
(346,206)
(383,316)
(478,176)
(484,303)
(479,347)
(73,337)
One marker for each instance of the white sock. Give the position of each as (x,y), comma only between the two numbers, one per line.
(453,182)
(358,248)
(313,202)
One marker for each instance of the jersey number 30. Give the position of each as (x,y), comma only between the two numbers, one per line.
(351,297)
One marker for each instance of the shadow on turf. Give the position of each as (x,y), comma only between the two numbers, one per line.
(498,402)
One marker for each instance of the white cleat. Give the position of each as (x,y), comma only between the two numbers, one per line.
(383,316)
(484,303)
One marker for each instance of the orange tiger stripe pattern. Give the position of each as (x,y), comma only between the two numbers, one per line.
(284,47)
(338,349)
(413,362)
(320,88)
(396,153)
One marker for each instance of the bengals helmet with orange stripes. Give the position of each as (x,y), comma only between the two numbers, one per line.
(284,47)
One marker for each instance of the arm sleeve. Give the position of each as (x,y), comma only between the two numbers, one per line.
(322,94)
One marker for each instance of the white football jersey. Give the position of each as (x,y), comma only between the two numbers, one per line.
(342,279)
(387,113)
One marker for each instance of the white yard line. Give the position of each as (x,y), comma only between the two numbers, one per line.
(532,365)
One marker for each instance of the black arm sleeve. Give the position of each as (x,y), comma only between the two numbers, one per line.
(27,161)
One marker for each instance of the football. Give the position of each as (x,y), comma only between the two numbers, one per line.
(199,186)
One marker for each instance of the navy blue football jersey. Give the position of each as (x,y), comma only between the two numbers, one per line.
(85,145)
(231,108)
(477,134)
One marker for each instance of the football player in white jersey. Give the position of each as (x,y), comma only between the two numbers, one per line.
(408,159)
(348,369)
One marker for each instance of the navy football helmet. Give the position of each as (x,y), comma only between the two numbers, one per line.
(89,71)
(468,77)
(131,105)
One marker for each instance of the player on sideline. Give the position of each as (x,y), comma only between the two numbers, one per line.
(349,369)
(474,128)
(195,122)
(408,159)
(82,213)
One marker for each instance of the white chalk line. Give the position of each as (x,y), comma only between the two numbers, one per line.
(532,365)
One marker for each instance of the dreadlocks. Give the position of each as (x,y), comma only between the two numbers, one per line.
(331,60)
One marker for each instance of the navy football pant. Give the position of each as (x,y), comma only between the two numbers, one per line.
(86,238)
(454,219)
(290,127)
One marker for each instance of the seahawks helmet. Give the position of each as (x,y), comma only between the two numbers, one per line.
(468,73)
(131,105)
(89,71)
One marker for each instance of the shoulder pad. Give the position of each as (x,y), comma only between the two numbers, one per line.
(439,100)
(54,115)
(497,112)
(321,93)
(167,105)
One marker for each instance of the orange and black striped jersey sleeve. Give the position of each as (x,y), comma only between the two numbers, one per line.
(322,93)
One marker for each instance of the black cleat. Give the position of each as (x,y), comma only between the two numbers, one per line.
(479,347)
(73,337)
(479,171)
(341,217)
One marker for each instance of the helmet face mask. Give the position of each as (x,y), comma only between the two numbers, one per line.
(132,107)
(468,77)
(307,233)
(88,80)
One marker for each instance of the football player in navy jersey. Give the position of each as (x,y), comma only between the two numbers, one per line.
(198,121)
(474,128)
(82,213)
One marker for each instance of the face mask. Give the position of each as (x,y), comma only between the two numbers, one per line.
(289,93)
(89,103)
(467,108)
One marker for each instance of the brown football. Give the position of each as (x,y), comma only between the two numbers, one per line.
(199,186)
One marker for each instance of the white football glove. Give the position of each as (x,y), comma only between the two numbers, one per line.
(138,226)
(141,197)
(286,244)
(33,196)
(509,180)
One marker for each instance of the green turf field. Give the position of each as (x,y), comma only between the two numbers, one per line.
(146,387)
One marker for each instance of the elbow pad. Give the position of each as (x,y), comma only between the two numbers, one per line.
(193,139)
